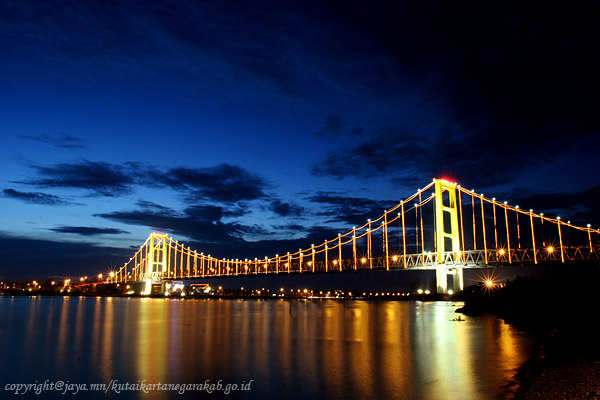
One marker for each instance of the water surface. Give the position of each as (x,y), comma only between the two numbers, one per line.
(276,349)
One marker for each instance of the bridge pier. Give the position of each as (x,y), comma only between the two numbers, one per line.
(441,277)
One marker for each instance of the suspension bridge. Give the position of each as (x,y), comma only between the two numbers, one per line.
(442,227)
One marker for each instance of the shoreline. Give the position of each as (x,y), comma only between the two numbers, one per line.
(558,370)
(560,312)
(299,296)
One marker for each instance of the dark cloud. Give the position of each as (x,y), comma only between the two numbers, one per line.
(334,126)
(62,140)
(260,50)
(509,86)
(100,178)
(390,151)
(204,42)
(582,207)
(357,130)
(150,205)
(198,223)
(286,209)
(25,258)
(237,210)
(204,230)
(88,230)
(35,197)
(348,210)
(205,213)
(294,228)
(482,160)
(222,183)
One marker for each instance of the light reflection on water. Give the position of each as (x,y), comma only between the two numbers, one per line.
(302,349)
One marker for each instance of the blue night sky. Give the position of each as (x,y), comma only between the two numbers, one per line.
(251,128)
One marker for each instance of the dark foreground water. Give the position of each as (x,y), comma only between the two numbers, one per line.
(252,349)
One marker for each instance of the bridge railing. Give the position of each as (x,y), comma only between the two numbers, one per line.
(489,232)
(427,260)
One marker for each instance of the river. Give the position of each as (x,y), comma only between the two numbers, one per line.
(252,349)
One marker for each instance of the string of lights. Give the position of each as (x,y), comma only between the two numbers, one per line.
(163,257)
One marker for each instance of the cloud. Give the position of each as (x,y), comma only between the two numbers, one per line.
(25,258)
(503,89)
(286,209)
(35,197)
(292,228)
(389,151)
(199,223)
(482,159)
(204,43)
(61,140)
(334,126)
(223,183)
(150,205)
(348,210)
(581,207)
(101,178)
(88,230)
(205,213)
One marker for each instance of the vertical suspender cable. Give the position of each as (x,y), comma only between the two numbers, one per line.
(533,236)
(474,230)
(484,236)
(403,236)
(507,233)
(462,232)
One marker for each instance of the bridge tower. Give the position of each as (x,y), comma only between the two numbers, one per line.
(447,237)
(156,264)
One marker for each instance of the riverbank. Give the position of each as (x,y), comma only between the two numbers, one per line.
(560,310)
(556,372)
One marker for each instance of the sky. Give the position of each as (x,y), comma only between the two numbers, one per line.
(248,128)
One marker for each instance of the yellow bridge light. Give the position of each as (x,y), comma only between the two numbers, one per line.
(363,260)
(550,249)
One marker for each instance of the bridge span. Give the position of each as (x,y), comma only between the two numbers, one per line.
(442,227)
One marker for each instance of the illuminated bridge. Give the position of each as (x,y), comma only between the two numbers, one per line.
(442,227)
